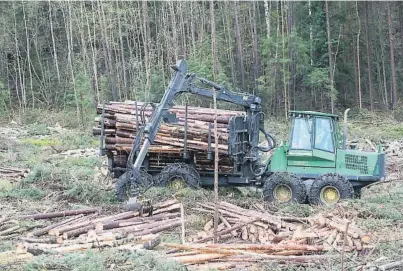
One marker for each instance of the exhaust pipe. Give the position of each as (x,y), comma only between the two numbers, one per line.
(345,129)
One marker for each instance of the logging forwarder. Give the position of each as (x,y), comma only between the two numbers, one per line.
(313,166)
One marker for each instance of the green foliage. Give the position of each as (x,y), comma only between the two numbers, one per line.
(376,126)
(157,86)
(5,99)
(30,193)
(88,192)
(75,176)
(41,172)
(6,245)
(37,120)
(319,78)
(105,260)
(87,162)
(297,210)
(382,207)
(186,195)
(36,128)
(391,250)
(89,261)
(78,140)
(41,142)
(5,185)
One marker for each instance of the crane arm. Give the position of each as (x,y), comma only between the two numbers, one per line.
(249,101)
(182,82)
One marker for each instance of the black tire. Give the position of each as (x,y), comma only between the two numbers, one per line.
(333,180)
(131,183)
(121,186)
(180,170)
(289,180)
(194,171)
(118,173)
(357,192)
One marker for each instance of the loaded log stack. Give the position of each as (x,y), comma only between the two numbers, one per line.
(123,120)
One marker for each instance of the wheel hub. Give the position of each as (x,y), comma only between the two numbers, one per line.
(282,193)
(177,183)
(330,195)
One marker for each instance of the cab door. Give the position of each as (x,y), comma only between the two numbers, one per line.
(324,140)
(312,144)
(301,142)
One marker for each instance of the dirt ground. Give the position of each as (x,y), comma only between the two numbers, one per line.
(60,180)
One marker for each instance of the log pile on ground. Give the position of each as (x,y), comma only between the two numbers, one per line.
(80,152)
(13,173)
(245,236)
(121,121)
(229,256)
(260,235)
(263,227)
(394,155)
(86,228)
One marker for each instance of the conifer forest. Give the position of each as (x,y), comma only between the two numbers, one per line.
(306,55)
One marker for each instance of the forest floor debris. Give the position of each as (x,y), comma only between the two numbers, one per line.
(248,236)
(65,182)
(394,155)
(257,226)
(84,229)
(80,152)
(245,235)
(13,173)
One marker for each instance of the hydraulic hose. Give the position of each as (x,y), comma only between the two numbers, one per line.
(270,140)
(260,173)
(135,147)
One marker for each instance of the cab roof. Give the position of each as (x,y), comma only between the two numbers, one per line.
(313,113)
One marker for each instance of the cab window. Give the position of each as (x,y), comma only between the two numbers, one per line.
(301,137)
(323,134)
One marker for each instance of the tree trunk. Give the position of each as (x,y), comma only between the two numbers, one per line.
(146,50)
(329,48)
(379,77)
(274,89)
(267,9)
(192,28)
(285,69)
(69,33)
(94,81)
(229,38)
(392,59)
(369,63)
(238,39)
(108,53)
(175,42)
(358,57)
(255,45)
(213,42)
(291,55)
(122,51)
(53,42)
(310,32)
(28,46)
(19,83)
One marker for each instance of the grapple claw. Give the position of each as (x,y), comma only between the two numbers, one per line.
(132,184)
